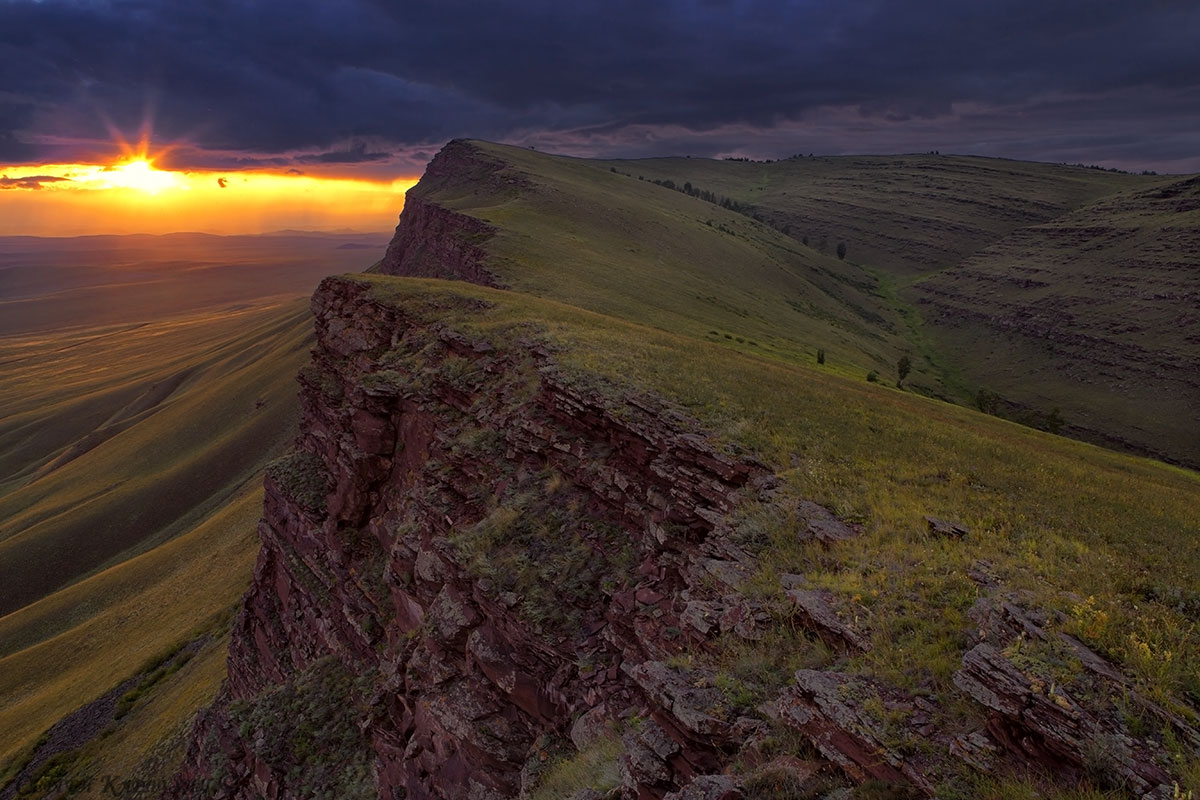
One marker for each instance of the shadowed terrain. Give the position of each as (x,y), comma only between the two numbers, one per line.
(146,381)
(48,284)
(1096,313)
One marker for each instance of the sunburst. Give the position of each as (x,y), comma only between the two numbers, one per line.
(141,174)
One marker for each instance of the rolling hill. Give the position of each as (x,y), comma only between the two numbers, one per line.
(147,381)
(572,230)
(906,215)
(941,256)
(1093,313)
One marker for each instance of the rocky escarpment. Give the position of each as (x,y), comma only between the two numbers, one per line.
(433,241)
(477,563)
(482,570)
(491,550)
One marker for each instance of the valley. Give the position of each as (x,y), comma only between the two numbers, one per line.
(1064,294)
(146,383)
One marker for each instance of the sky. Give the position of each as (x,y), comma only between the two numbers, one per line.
(262,92)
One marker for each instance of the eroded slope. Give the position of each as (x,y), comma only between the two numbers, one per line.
(902,215)
(1095,313)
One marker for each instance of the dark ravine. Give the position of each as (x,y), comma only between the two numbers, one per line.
(477,561)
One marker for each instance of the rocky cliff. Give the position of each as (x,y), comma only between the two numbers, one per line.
(475,551)
(433,241)
(478,565)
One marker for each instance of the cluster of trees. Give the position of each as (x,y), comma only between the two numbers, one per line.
(989,402)
(986,400)
(747,160)
(745,209)
(903,367)
(1110,169)
(710,197)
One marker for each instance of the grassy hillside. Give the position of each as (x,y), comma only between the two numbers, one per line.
(1094,313)
(1105,542)
(903,215)
(573,230)
(132,442)
(1053,287)
(77,644)
(116,440)
(132,460)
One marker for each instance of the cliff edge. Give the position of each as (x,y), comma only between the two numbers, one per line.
(486,573)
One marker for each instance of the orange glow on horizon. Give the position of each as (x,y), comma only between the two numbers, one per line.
(135,197)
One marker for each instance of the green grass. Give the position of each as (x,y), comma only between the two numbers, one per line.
(321,751)
(594,767)
(907,215)
(79,642)
(1093,313)
(152,473)
(1056,287)
(576,232)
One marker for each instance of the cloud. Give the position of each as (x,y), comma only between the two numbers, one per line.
(291,83)
(355,154)
(29,182)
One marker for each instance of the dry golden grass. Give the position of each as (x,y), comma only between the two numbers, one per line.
(78,643)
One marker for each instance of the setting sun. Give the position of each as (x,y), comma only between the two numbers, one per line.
(140,174)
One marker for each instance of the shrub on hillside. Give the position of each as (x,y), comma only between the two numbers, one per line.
(987,401)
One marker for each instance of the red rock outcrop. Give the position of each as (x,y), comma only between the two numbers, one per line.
(423,455)
(433,241)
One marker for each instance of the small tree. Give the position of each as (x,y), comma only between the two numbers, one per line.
(820,356)
(872,377)
(903,367)
(841,250)
(1055,421)
(987,401)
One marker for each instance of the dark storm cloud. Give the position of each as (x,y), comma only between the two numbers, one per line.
(301,82)
(355,154)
